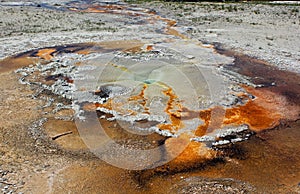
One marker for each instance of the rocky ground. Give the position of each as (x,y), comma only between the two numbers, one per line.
(266,31)
(31,162)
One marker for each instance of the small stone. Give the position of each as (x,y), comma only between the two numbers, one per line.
(190,56)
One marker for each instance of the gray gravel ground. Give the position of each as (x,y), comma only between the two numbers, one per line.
(269,32)
(27,27)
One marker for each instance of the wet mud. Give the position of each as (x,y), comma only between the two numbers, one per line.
(268,161)
(280,82)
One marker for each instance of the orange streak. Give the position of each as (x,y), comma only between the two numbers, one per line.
(46,53)
(174,32)
(149,48)
(116,9)
(94,106)
(141,98)
(175,117)
(112,9)
(133,50)
(169,28)
(205,115)
(262,113)
(257,117)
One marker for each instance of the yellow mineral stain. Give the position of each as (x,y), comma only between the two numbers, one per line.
(120,67)
(73,9)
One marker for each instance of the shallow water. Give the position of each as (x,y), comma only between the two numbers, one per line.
(189,116)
